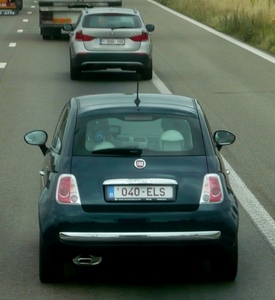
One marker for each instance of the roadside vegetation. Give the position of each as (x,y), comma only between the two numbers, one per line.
(252,21)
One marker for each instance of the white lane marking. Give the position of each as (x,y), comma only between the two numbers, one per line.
(25,20)
(160,85)
(33,6)
(4,64)
(223,36)
(20,30)
(29,12)
(253,207)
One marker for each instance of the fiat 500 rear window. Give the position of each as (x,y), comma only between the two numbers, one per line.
(138,134)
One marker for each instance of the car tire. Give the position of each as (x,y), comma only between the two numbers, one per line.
(225,266)
(114,4)
(51,266)
(46,37)
(20,4)
(75,72)
(147,73)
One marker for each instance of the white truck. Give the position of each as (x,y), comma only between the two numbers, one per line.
(53,14)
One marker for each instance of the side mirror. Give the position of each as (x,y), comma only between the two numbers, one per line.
(150,27)
(37,138)
(223,138)
(68,27)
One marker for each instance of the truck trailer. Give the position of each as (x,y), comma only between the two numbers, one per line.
(53,14)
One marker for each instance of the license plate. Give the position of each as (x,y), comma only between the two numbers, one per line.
(112,41)
(140,193)
(8,12)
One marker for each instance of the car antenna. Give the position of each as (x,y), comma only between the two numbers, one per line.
(137,100)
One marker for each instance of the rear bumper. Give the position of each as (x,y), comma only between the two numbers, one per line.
(124,61)
(98,233)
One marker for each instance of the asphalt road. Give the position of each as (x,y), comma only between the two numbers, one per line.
(236,89)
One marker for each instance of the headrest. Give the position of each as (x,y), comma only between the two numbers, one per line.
(103,145)
(171,140)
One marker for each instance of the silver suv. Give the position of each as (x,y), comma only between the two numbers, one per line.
(109,37)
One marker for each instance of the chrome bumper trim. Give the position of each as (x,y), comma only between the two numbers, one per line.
(138,236)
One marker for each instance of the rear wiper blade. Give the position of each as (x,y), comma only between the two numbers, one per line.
(80,6)
(119,151)
(121,27)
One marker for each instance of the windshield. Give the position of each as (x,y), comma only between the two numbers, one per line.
(150,134)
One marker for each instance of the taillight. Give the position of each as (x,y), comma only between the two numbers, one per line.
(67,190)
(79,36)
(141,37)
(212,191)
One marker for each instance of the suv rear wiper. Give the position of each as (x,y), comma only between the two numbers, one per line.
(80,6)
(122,27)
(119,151)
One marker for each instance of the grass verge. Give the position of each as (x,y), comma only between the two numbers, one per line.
(252,21)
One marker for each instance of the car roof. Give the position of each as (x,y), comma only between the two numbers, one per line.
(99,10)
(116,102)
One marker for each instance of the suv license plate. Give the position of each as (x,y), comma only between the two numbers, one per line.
(112,41)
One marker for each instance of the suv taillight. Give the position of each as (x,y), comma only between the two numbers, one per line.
(212,191)
(141,37)
(67,190)
(79,36)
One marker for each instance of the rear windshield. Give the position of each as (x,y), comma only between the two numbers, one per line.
(111,21)
(152,135)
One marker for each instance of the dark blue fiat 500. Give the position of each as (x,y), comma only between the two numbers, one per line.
(134,173)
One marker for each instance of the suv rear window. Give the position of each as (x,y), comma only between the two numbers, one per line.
(111,21)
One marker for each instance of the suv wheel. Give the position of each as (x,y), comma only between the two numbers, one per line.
(147,73)
(75,73)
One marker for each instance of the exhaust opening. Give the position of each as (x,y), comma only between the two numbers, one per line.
(89,260)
